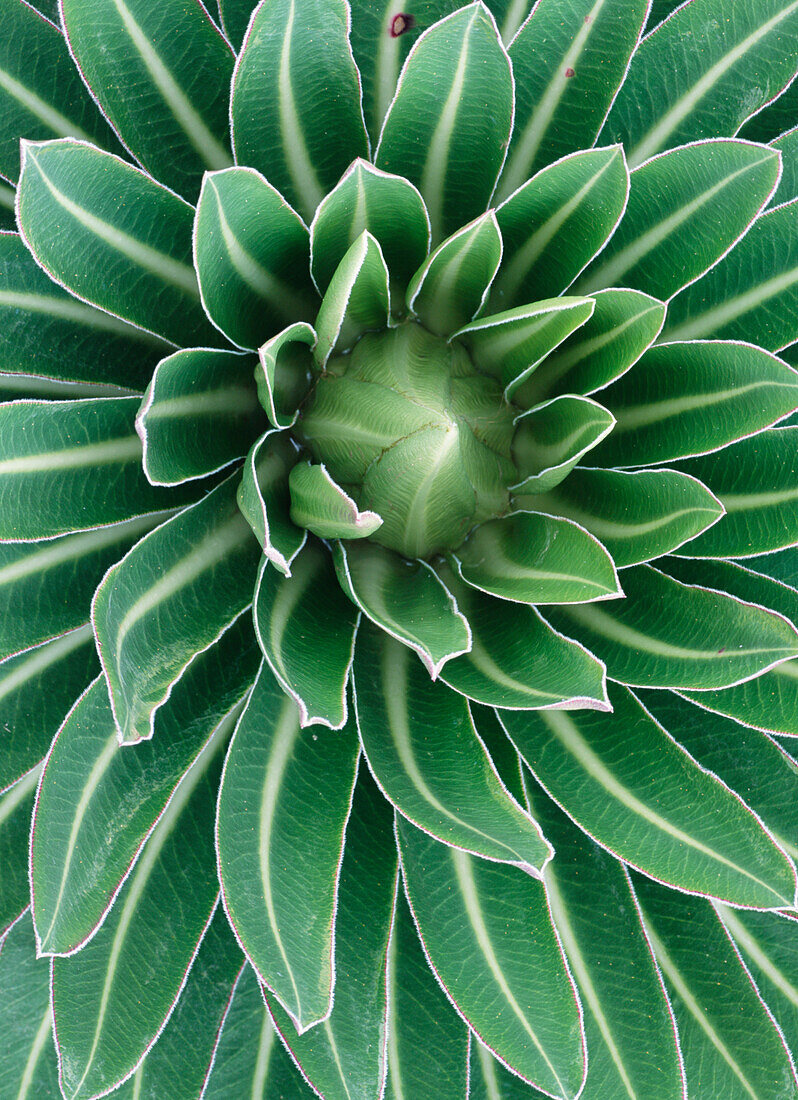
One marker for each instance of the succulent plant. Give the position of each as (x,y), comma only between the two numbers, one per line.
(399,564)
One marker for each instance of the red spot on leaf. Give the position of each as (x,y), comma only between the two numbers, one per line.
(402,22)
(588,19)
(569,73)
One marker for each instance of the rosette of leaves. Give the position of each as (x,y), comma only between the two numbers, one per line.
(399,498)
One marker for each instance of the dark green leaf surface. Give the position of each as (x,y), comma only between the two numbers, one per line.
(48,331)
(510,345)
(234,16)
(306,629)
(632,1047)
(37,688)
(179,1063)
(284,372)
(516,659)
(756,481)
(450,287)
(111,1000)
(295,103)
(28,1064)
(389,207)
(630,787)
(752,294)
(693,77)
(573,56)
(499,962)
(343,1057)
(729,1044)
(251,253)
(124,241)
(174,594)
(283,807)
(199,414)
(41,94)
(787,145)
(550,439)
(447,144)
(649,638)
(58,579)
(405,599)
(249,1059)
(82,848)
(769,702)
(638,515)
(265,502)
(427,1043)
(687,399)
(532,558)
(82,459)
(180,66)
(686,208)
(623,324)
(429,761)
(16,806)
(555,224)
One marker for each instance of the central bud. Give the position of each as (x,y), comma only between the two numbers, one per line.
(411,429)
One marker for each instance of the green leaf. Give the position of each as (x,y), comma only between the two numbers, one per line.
(82,847)
(127,980)
(756,481)
(629,1026)
(633,789)
(694,77)
(44,99)
(550,439)
(638,515)
(751,294)
(555,224)
(510,345)
(517,660)
(738,580)
(488,1079)
(45,588)
(74,465)
(180,66)
(766,942)
(787,145)
(284,371)
(321,505)
(16,807)
(199,414)
(573,58)
(170,597)
(124,241)
(251,252)
(344,1057)
(758,769)
(486,931)
(536,559)
(650,638)
(448,290)
(306,629)
(623,324)
(729,1043)
(356,300)
(48,331)
(427,1044)
(249,1059)
(264,500)
(405,599)
(689,398)
(295,103)
(670,233)
(283,807)
(179,1063)
(37,688)
(429,761)
(770,702)
(437,132)
(234,16)
(389,207)
(28,1063)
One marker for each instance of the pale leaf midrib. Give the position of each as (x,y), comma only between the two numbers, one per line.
(44,112)
(107,452)
(36,1049)
(711,321)
(298,161)
(642,416)
(42,657)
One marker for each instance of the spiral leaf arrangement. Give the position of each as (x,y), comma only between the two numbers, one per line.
(399,497)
